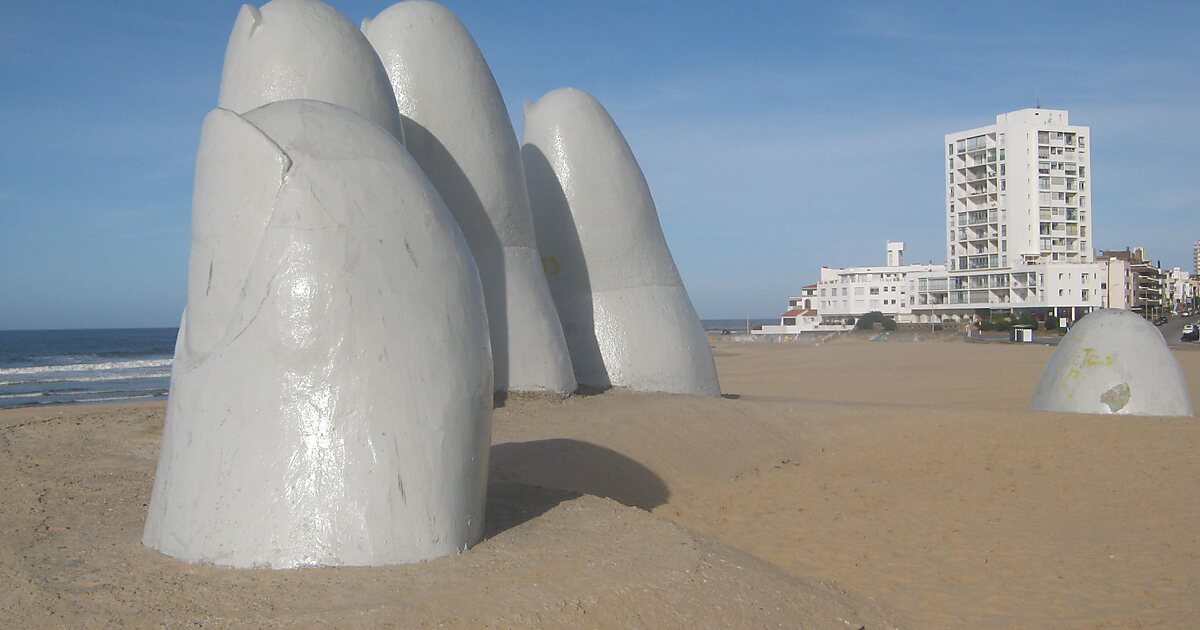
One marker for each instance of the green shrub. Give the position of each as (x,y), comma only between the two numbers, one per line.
(1051,323)
(868,321)
(1001,323)
(985,325)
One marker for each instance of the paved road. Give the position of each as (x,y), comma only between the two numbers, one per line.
(1174,328)
(1171,331)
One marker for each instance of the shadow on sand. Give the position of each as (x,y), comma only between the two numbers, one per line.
(529,479)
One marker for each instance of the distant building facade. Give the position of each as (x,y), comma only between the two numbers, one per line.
(1018,220)
(1181,290)
(844,294)
(1018,237)
(801,315)
(1146,285)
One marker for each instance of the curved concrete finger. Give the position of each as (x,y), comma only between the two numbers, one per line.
(458,130)
(626,315)
(331,392)
(1113,361)
(304,49)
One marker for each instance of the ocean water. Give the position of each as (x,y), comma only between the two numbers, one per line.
(41,367)
(736,325)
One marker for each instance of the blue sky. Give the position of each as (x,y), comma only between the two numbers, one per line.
(776,137)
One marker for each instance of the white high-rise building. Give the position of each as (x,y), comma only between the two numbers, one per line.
(1018,191)
(1018,219)
(1196,259)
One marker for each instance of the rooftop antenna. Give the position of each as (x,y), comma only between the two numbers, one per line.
(1038,99)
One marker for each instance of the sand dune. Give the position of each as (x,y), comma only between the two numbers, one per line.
(841,485)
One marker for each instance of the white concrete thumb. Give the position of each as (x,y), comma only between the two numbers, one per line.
(331,392)
(1113,361)
(627,318)
(304,49)
(458,130)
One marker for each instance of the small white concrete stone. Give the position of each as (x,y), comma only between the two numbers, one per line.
(304,49)
(626,315)
(457,128)
(331,393)
(1113,361)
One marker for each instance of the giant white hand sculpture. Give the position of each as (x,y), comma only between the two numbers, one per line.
(458,130)
(304,49)
(626,315)
(332,387)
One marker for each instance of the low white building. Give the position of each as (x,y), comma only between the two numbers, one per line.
(1069,290)
(800,317)
(851,292)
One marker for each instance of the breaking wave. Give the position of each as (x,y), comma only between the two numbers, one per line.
(86,367)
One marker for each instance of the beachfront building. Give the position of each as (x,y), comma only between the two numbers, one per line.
(801,315)
(1196,259)
(1147,290)
(845,294)
(1018,221)
(1181,290)
(1018,236)
(1116,291)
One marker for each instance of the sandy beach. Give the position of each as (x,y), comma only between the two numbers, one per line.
(844,485)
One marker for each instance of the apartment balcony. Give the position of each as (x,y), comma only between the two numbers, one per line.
(935,285)
(972,237)
(979,158)
(980,217)
(982,262)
